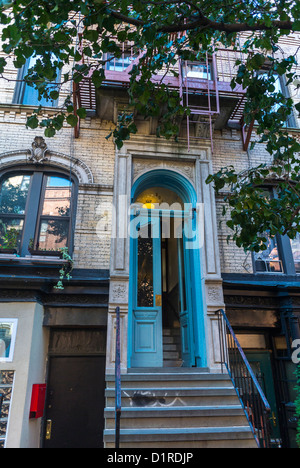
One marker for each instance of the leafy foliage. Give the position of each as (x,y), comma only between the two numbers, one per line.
(59,31)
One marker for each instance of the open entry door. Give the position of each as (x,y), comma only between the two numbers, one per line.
(147,350)
(185,302)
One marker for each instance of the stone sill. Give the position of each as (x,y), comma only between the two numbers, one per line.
(28,259)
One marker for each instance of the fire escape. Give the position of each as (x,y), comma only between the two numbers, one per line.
(204,88)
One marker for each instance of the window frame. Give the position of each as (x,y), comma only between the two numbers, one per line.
(14,326)
(34,202)
(291,121)
(20,88)
(285,253)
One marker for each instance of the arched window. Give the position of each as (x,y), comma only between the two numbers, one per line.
(36,211)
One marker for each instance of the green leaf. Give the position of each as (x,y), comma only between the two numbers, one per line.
(81,112)
(72,120)
(50,132)
(32,122)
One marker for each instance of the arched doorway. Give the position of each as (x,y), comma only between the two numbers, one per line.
(165,275)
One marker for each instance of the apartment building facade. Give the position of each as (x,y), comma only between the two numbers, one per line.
(80,193)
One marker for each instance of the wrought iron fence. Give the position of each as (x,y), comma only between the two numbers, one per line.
(250,393)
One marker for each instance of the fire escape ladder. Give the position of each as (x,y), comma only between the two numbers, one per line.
(205,87)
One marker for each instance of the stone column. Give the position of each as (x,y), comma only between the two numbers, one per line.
(119,264)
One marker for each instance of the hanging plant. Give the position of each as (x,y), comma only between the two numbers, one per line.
(66,269)
(9,239)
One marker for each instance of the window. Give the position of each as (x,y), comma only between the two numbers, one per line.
(36,211)
(268,260)
(199,70)
(119,64)
(281,87)
(281,254)
(8,330)
(27,95)
(13,200)
(295,245)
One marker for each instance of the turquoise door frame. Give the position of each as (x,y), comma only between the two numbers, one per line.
(185,304)
(196,329)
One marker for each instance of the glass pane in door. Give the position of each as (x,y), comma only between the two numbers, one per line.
(145,290)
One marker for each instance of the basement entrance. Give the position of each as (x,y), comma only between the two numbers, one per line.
(74,414)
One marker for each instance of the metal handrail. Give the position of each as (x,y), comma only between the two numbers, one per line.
(118,407)
(249,391)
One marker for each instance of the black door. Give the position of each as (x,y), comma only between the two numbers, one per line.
(75,402)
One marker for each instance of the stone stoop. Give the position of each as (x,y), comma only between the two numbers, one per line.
(173,408)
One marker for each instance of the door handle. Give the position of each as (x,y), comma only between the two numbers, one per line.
(158,300)
(273,419)
(48,429)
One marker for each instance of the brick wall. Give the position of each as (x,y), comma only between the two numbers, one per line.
(93,221)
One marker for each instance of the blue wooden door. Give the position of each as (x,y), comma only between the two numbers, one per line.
(147,350)
(185,303)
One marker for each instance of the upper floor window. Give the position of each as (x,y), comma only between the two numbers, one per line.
(199,70)
(36,211)
(28,95)
(281,87)
(295,244)
(269,259)
(121,63)
(280,254)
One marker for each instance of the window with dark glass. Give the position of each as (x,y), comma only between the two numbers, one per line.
(268,260)
(280,254)
(281,87)
(295,245)
(36,212)
(28,95)
(201,70)
(13,201)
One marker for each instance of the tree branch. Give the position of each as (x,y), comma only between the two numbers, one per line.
(202,21)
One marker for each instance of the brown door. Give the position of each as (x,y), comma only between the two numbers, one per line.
(75,402)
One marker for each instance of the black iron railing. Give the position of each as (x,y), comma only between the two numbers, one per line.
(118,407)
(250,393)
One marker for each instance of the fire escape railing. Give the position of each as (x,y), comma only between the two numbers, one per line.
(118,408)
(223,67)
(249,391)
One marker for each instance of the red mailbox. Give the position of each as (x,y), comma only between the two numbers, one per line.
(38,397)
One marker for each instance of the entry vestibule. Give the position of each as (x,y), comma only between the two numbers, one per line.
(165,285)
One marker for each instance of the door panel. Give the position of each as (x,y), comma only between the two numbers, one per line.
(75,402)
(147,311)
(185,303)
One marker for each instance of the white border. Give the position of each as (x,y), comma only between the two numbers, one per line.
(14,323)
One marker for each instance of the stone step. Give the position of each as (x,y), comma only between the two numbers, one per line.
(180,378)
(198,437)
(170,347)
(167,407)
(185,445)
(171,332)
(172,417)
(172,362)
(170,339)
(189,396)
(171,355)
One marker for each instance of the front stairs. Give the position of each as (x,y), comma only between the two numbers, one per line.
(177,408)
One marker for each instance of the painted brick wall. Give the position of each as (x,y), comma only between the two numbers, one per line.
(93,221)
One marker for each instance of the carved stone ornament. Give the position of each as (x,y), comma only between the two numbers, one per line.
(118,292)
(38,150)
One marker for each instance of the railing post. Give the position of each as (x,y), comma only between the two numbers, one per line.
(117,380)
